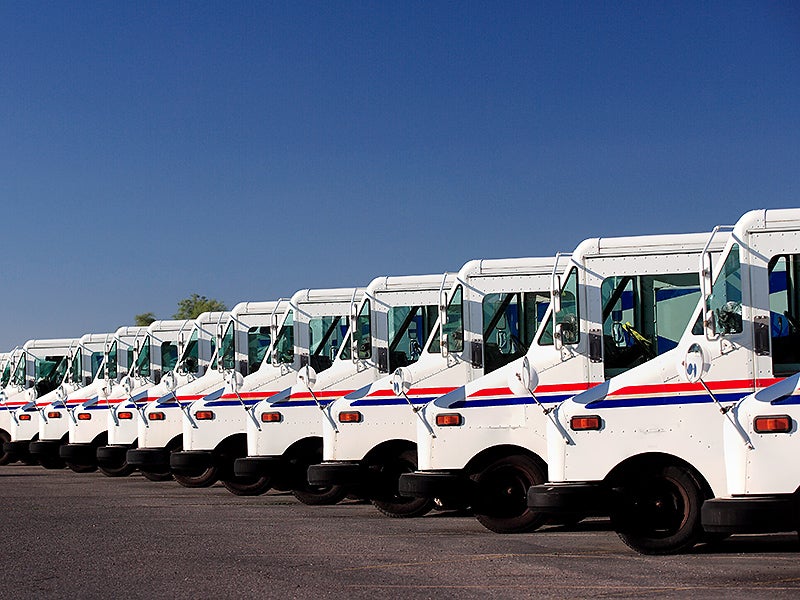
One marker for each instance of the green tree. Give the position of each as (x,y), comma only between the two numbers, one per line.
(144,319)
(194,305)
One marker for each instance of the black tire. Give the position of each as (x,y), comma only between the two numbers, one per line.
(52,462)
(5,457)
(659,511)
(206,479)
(156,476)
(502,494)
(390,502)
(122,470)
(321,495)
(79,468)
(248,486)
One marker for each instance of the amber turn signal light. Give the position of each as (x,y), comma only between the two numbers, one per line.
(54,414)
(156,416)
(204,415)
(125,415)
(449,420)
(773,424)
(585,423)
(84,416)
(271,417)
(24,417)
(352,416)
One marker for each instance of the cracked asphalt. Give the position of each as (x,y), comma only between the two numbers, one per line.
(68,535)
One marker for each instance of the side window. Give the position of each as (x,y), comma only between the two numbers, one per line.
(111,362)
(644,316)
(568,316)
(784,302)
(284,345)
(6,375)
(258,340)
(143,359)
(363,331)
(77,366)
(454,325)
(227,349)
(725,302)
(169,356)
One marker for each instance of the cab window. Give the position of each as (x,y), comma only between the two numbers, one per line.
(189,360)
(169,356)
(284,344)
(111,362)
(644,316)
(784,308)
(325,337)
(569,315)
(409,329)
(258,340)
(143,359)
(510,321)
(363,331)
(227,348)
(453,326)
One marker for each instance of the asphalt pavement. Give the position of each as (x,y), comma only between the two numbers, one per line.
(68,535)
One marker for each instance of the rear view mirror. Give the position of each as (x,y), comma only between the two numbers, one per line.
(401,382)
(695,364)
(170,381)
(127,385)
(235,381)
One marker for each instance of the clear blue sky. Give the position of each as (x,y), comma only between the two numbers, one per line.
(149,150)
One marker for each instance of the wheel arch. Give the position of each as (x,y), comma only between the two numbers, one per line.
(651,460)
(488,455)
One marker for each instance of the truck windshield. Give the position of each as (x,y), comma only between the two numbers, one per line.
(76,367)
(143,359)
(453,327)
(189,359)
(325,337)
(97,360)
(568,316)
(409,329)
(227,348)
(510,321)
(169,356)
(49,373)
(363,331)
(258,340)
(644,316)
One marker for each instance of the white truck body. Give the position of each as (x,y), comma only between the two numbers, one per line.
(85,372)
(646,446)
(313,326)
(391,322)
(490,433)
(39,369)
(489,314)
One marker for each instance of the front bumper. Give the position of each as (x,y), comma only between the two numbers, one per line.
(79,454)
(191,462)
(751,514)
(17,449)
(149,459)
(436,484)
(44,448)
(580,498)
(336,473)
(112,456)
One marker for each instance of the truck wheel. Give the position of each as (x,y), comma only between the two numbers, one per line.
(248,486)
(659,512)
(122,470)
(502,495)
(5,457)
(322,495)
(390,502)
(156,476)
(79,468)
(206,479)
